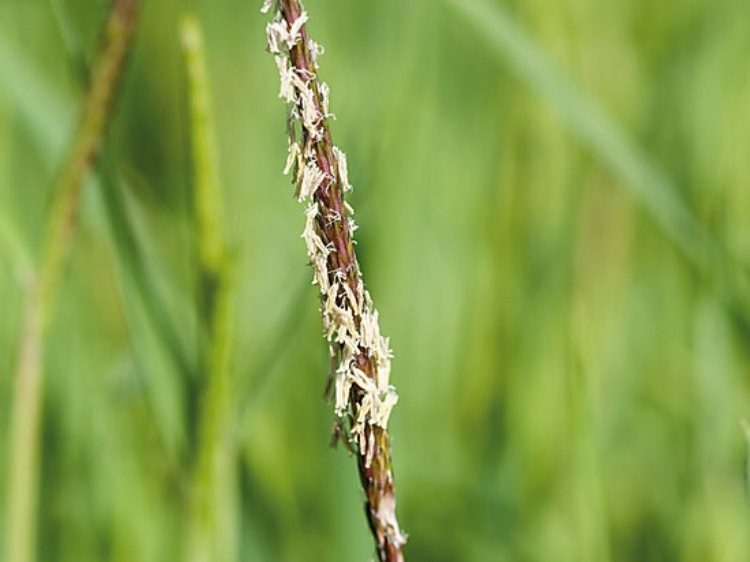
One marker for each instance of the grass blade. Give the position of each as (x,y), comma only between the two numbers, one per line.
(26,415)
(212,504)
(591,124)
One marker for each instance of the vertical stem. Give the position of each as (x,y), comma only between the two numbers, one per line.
(210,536)
(360,355)
(26,408)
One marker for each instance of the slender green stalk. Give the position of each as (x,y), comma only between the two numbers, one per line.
(360,355)
(210,538)
(26,415)
(123,231)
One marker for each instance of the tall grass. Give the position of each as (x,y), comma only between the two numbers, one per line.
(210,535)
(43,286)
(571,385)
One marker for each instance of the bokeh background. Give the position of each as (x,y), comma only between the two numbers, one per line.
(553,205)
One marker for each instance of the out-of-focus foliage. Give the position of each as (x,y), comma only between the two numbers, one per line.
(534,184)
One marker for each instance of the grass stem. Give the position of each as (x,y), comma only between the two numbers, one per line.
(209,539)
(42,290)
(360,356)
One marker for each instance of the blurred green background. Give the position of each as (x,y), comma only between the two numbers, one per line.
(554,224)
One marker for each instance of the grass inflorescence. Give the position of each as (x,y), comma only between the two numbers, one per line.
(360,354)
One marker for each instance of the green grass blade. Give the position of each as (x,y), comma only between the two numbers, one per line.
(59,237)
(212,503)
(42,108)
(591,124)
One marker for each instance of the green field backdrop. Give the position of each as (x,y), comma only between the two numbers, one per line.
(554,209)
